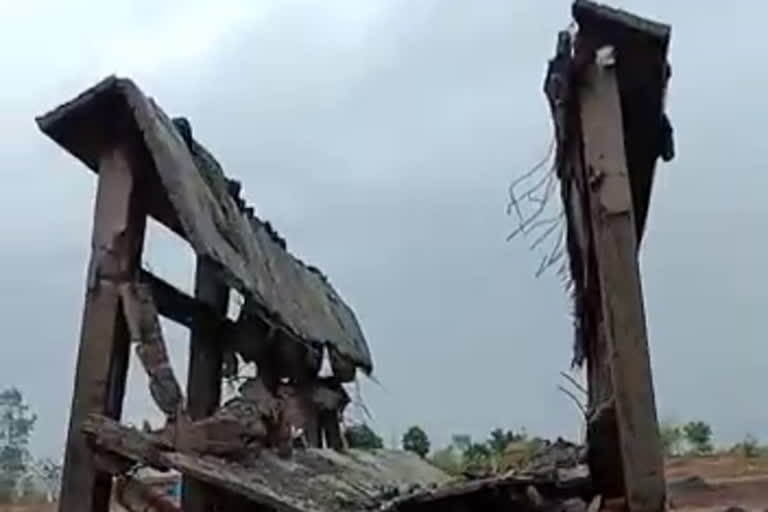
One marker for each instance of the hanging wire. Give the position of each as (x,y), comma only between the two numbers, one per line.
(529,204)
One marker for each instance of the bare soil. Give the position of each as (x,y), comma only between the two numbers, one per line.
(718,482)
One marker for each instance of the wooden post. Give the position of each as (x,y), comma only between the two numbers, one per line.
(102,361)
(615,239)
(205,371)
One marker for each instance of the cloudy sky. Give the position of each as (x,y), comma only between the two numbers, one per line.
(380,136)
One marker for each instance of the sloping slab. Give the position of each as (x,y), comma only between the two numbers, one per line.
(642,71)
(280,288)
(312,480)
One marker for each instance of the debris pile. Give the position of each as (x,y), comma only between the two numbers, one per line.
(257,419)
(552,458)
(509,491)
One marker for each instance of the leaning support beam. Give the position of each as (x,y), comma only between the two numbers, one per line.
(205,369)
(144,326)
(615,239)
(102,362)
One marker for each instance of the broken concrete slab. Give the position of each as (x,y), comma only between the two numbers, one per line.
(311,480)
(186,189)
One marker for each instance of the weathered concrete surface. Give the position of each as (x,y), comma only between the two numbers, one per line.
(311,480)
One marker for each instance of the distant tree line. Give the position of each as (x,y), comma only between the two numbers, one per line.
(506,449)
(26,479)
(501,450)
(22,477)
(361,436)
(695,438)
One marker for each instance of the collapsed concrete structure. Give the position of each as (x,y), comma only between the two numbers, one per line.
(150,165)
(278,445)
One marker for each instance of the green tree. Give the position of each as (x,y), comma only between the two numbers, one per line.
(699,436)
(29,490)
(477,452)
(415,440)
(477,457)
(16,424)
(470,452)
(362,437)
(749,447)
(461,442)
(500,439)
(49,474)
(671,438)
(448,459)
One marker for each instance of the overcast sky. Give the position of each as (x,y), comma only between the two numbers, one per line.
(380,137)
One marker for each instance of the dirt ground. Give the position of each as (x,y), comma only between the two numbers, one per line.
(718,482)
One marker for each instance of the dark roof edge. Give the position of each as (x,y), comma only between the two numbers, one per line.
(586,12)
(48,121)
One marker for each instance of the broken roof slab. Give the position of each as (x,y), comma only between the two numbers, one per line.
(189,193)
(341,481)
(311,480)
